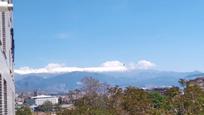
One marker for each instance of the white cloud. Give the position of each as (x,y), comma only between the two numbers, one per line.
(142,65)
(109,66)
(113,64)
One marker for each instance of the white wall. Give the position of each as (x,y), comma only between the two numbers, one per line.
(6,65)
(40,101)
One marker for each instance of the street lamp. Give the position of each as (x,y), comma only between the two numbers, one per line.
(5,6)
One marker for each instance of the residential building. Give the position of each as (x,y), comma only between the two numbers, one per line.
(7,87)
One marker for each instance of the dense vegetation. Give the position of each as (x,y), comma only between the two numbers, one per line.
(95,98)
(134,101)
(23,111)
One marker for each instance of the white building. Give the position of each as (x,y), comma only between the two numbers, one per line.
(7,87)
(41,99)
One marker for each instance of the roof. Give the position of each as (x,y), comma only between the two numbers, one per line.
(43,96)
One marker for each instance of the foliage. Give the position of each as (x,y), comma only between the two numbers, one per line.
(23,111)
(46,107)
(135,101)
(158,100)
(91,86)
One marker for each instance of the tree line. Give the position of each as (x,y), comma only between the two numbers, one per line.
(101,99)
(96,98)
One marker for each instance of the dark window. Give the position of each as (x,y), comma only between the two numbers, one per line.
(1,101)
(5,98)
(4,31)
(12,45)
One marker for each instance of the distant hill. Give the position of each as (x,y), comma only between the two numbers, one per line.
(194,76)
(68,81)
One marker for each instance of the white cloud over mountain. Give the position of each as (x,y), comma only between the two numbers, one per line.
(109,66)
(112,64)
(142,65)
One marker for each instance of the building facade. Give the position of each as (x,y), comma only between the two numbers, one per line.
(41,99)
(7,87)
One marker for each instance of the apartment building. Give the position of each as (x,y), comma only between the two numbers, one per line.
(7,87)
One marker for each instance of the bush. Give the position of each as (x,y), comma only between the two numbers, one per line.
(24,111)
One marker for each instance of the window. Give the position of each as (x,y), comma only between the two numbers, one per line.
(4,31)
(12,44)
(5,99)
(1,101)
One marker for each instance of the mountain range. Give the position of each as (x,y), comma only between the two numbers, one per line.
(63,82)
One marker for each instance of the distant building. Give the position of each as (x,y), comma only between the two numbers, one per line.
(41,99)
(7,87)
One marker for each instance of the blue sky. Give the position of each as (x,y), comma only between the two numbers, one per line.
(83,33)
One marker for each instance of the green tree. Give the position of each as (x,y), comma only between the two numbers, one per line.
(193,100)
(46,107)
(136,101)
(115,100)
(23,111)
(158,100)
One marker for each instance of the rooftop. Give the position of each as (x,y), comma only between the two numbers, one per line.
(42,96)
